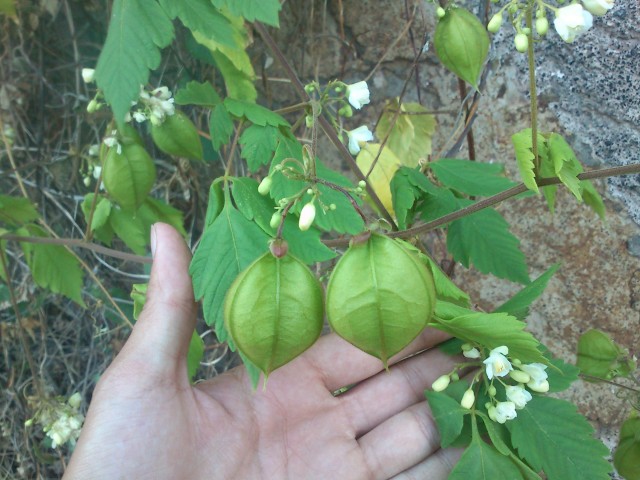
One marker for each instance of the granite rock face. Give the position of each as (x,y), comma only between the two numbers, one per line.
(588,91)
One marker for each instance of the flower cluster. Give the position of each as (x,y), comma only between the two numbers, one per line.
(60,420)
(497,365)
(570,21)
(154,105)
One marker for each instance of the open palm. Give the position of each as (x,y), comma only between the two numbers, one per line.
(147,421)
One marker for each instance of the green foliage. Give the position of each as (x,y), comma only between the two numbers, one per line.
(201,16)
(565,164)
(256,114)
(592,198)
(599,356)
(8,7)
(227,247)
(483,462)
(137,31)
(258,144)
(220,126)
(472,178)
(196,93)
(490,330)
(551,436)
(462,44)
(128,176)
(178,136)
(484,239)
(52,266)
(265,11)
(410,137)
(523,146)
(519,304)
(448,414)
(627,456)
(139,297)
(16,210)
(239,84)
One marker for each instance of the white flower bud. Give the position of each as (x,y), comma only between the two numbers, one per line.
(265,185)
(276,220)
(441,383)
(598,7)
(518,395)
(540,387)
(88,75)
(495,23)
(521,41)
(307,215)
(472,353)
(520,376)
(542,26)
(468,399)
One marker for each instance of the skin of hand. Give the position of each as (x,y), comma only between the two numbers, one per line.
(146,421)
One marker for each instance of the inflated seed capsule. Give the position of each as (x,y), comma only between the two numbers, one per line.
(274,310)
(380,296)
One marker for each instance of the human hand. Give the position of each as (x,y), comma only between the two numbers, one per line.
(147,421)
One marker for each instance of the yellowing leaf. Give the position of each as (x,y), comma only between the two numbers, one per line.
(410,137)
(384,170)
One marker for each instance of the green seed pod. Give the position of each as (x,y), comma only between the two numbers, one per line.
(274,311)
(380,297)
(178,136)
(128,176)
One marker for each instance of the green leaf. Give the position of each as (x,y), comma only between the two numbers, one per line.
(599,356)
(101,212)
(404,196)
(215,202)
(344,219)
(196,93)
(491,330)
(177,136)
(592,198)
(239,85)
(518,305)
(253,112)
(523,146)
(8,7)
(258,144)
(462,44)
(448,414)
(139,297)
(307,245)
(627,455)
(472,178)
(382,173)
(265,11)
(200,15)
(194,354)
(566,165)
(129,176)
(153,211)
(497,433)
(16,210)
(410,137)
(137,31)
(130,230)
(481,461)
(552,436)
(227,247)
(220,126)
(52,266)
(484,239)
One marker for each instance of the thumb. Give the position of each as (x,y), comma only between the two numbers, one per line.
(161,336)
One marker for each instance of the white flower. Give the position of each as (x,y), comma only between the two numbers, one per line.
(88,75)
(467,399)
(307,215)
(97,170)
(538,382)
(497,364)
(441,383)
(168,106)
(598,7)
(113,142)
(471,353)
(358,94)
(518,395)
(163,93)
(139,116)
(571,21)
(360,134)
(505,411)
(94,150)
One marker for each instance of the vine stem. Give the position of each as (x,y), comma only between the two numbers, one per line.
(533,92)
(326,126)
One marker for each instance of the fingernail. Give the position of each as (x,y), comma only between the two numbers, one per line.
(153,240)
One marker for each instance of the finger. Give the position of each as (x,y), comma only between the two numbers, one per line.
(161,336)
(382,396)
(401,442)
(436,467)
(339,363)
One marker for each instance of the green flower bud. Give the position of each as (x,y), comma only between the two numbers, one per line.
(520,376)
(265,185)
(468,399)
(93,106)
(492,391)
(455,377)
(441,12)
(495,23)
(521,42)
(276,220)
(542,26)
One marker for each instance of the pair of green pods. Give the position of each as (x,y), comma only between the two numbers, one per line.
(379,298)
